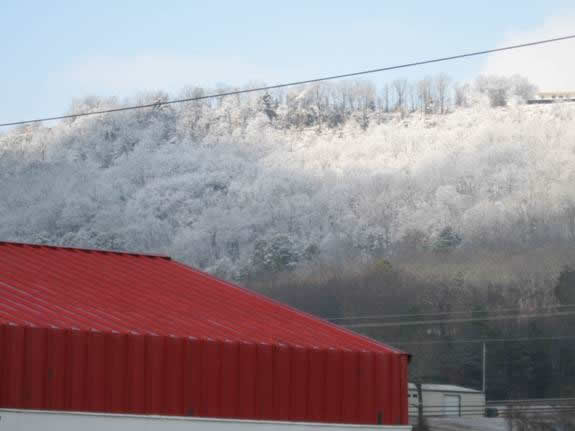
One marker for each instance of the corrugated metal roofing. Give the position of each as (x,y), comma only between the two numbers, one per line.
(45,286)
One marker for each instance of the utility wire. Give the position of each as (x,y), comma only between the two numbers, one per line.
(525,402)
(294,83)
(482,340)
(541,409)
(541,404)
(505,413)
(490,404)
(468,409)
(437,313)
(465,320)
(532,400)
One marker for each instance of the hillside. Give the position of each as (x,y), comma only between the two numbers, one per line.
(240,186)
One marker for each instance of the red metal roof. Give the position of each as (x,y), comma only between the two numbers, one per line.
(45,286)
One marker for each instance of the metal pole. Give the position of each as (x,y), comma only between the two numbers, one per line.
(483,386)
(419,407)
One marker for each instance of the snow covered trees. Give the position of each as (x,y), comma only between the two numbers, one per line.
(273,181)
(501,90)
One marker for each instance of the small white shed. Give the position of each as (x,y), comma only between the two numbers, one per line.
(446,400)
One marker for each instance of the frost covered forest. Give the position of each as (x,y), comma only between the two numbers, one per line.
(324,173)
(341,199)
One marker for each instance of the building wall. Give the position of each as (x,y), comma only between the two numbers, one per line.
(472,403)
(556,95)
(56,369)
(60,421)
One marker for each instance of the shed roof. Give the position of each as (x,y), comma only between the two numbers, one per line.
(108,291)
(431,387)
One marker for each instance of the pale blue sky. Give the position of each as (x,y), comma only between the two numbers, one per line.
(58,50)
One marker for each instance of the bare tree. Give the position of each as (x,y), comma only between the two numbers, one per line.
(424,94)
(461,95)
(386,97)
(442,83)
(412,97)
(522,88)
(400,88)
(365,93)
(497,88)
(319,104)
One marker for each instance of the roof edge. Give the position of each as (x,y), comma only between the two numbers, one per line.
(204,339)
(301,313)
(85,249)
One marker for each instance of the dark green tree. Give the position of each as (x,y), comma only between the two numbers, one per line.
(565,287)
(447,240)
(268,106)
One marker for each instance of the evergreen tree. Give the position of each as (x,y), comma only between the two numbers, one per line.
(448,240)
(565,287)
(268,107)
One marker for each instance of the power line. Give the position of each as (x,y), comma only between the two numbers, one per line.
(505,404)
(464,410)
(504,413)
(482,340)
(470,410)
(437,313)
(532,400)
(519,402)
(449,321)
(294,83)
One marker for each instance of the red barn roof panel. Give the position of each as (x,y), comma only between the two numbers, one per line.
(86,289)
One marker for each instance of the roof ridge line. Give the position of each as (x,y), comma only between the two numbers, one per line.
(85,249)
